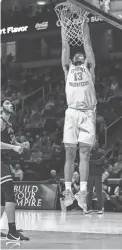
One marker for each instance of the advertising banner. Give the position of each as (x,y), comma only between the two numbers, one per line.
(35,195)
(39,26)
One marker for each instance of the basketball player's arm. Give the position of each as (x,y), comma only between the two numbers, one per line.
(7,146)
(65,54)
(24,144)
(90,58)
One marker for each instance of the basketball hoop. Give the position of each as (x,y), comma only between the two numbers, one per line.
(72,20)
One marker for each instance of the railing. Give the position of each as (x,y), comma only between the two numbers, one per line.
(36,94)
(113,131)
(41,92)
(51,84)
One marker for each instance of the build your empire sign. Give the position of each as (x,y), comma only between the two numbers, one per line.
(35,195)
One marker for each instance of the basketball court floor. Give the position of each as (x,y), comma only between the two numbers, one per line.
(66,230)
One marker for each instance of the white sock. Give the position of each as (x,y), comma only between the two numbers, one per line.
(68,185)
(83,186)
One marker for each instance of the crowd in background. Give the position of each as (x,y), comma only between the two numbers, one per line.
(41,119)
(17,82)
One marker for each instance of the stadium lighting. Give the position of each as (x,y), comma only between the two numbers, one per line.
(41,2)
(120,16)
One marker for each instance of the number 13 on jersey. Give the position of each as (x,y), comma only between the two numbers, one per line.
(78,76)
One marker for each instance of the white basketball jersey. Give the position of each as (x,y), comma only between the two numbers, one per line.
(80,91)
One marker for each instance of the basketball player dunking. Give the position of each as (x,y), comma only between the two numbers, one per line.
(80,122)
(9,144)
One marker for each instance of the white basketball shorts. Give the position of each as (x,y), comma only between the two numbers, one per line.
(79,126)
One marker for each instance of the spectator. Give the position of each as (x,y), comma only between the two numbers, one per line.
(36,157)
(48,150)
(53,177)
(56,150)
(44,138)
(115,88)
(75,183)
(53,174)
(105,188)
(116,199)
(75,189)
(38,143)
(107,173)
(117,168)
(17,173)
(22,139)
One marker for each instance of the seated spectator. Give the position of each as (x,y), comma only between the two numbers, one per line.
(56,149)
(28,136)
(52,176)
(50,105)
(48,150)
(105,194)
(44,138)
(38,143)
(105,188)
(17,173)
(117,168)
(115,88)
(54,136)
(113,152)
(22,139)
(36,156)
(107,173)
(75,189)
(75,183)
(116,199)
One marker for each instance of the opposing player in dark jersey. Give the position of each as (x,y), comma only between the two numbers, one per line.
(9,144)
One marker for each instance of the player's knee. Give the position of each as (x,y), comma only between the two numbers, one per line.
(70,153)
(84,152)
(8,189)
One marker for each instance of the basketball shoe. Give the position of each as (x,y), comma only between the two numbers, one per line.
(69,198)
(81,199)
(16,236)
(88,211)
(3,235)
(100,211)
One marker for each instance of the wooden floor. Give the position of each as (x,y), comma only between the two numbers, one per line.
(71,230)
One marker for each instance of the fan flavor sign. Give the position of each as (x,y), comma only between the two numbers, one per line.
(38,27)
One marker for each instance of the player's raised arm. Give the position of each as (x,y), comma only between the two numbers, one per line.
(88,49)
(65,53)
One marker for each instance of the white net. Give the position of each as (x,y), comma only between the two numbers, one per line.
(72,20)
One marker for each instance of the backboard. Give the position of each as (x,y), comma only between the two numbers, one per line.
(110,13)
